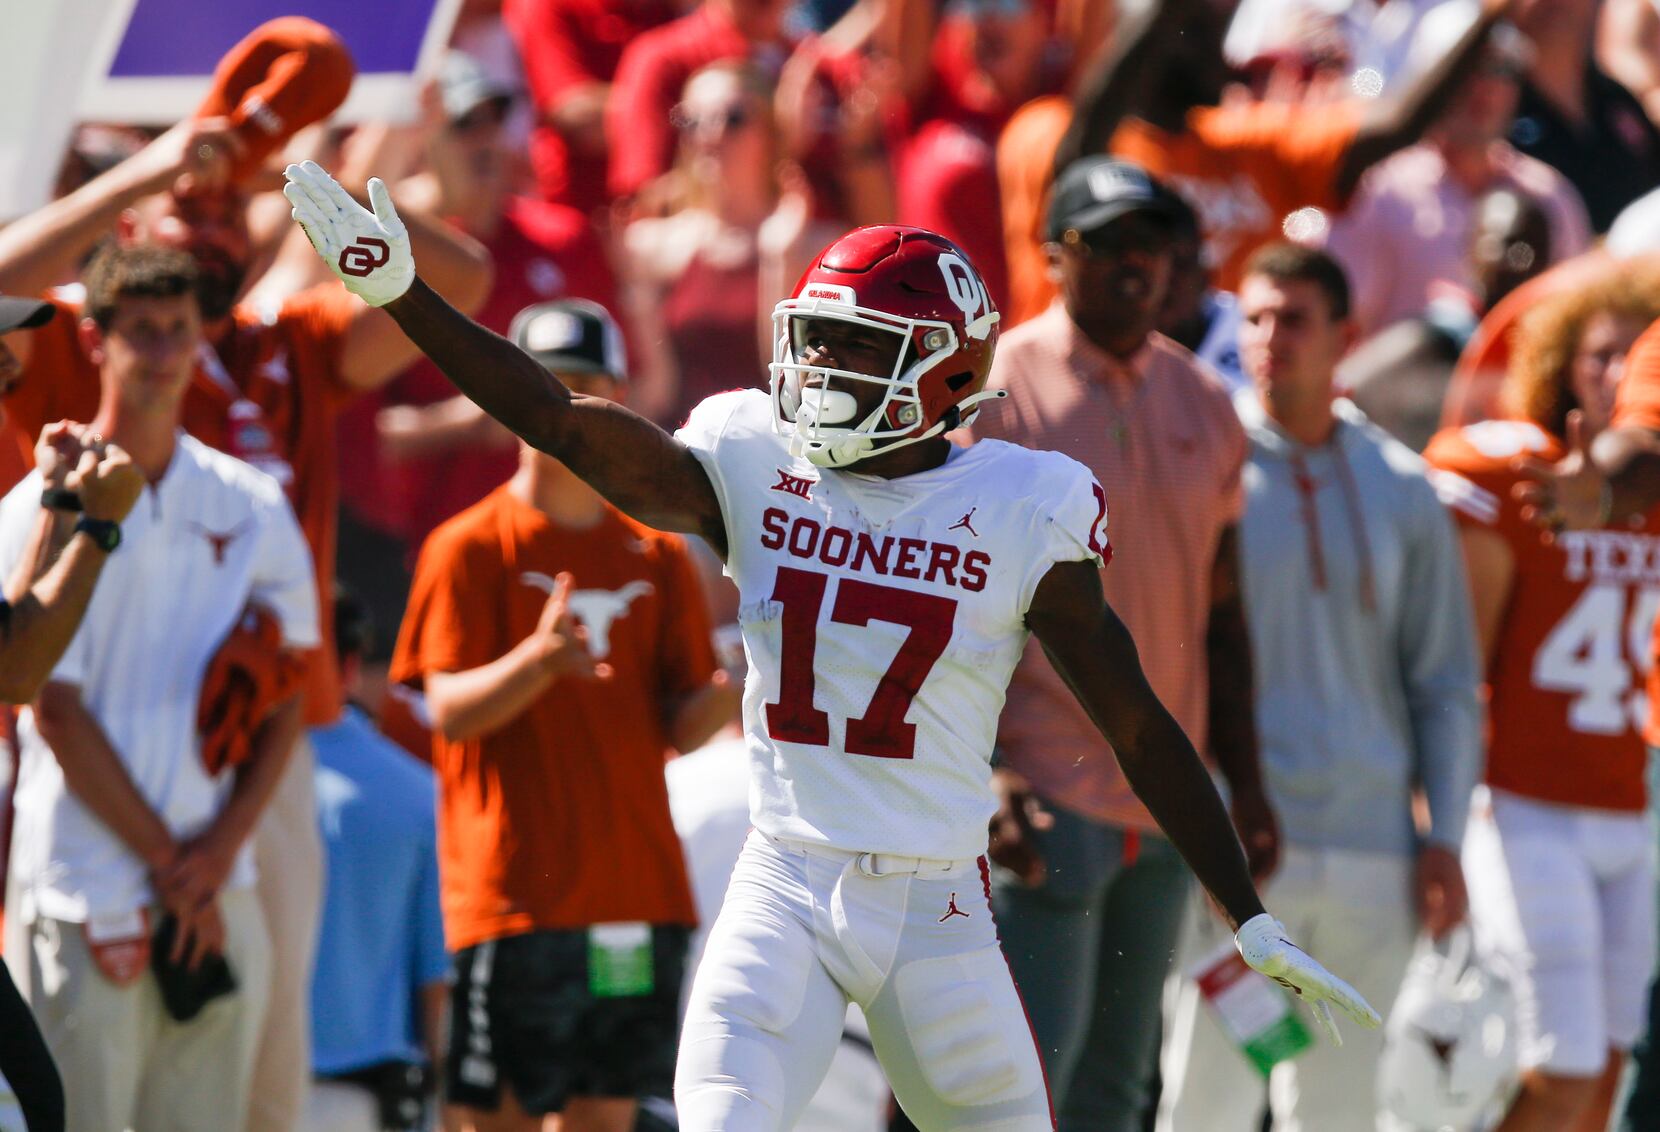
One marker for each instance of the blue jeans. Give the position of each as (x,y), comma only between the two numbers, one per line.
(1090,949)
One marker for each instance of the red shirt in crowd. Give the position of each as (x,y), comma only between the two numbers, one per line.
(566,45)
(542,251)
(649,82)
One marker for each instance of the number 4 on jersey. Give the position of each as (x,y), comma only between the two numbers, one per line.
(882,731)
(1586,654)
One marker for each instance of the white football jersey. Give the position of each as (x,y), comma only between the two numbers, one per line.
(881,621)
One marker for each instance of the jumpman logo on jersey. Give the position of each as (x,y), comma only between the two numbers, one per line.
(220,541)
(596,609)
(951,909)
(965,524)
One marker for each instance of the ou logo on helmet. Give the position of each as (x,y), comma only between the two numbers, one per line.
(968,293)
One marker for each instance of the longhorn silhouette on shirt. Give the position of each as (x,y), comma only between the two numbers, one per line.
(595,609)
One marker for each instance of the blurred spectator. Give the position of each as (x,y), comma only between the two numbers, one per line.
(380,987)
(1401,376)
(1195,315)
(552,706)
(40,610)
(989,57)
(1307,57)
(419,452)
(1561,881)
(1089,924)
(1246,166)
(693,275)
(570,50)
(267,387)
(130,856)
(1408,231)
(1366,46)
(1366,675)
(45,599)
(1575,117)
(656,67)
(1628,49)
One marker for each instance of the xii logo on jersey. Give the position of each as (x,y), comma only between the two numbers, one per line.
(794,485)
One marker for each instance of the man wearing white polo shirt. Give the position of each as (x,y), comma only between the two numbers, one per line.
(136,934)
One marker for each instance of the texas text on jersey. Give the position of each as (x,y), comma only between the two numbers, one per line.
(1566,679)
(881,627)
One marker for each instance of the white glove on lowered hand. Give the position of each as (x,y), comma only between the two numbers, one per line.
(1262,943)
(369,251)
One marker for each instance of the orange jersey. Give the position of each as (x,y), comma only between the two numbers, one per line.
(1637,405)
(269,395)
(1565,683)
(560,819)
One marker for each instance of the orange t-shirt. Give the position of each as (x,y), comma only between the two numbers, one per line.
(1244,169)
(561,818)
(1566,705)
(268,395)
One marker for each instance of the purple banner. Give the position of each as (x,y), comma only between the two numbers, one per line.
(167,38)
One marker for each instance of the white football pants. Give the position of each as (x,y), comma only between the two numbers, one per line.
(805,929)
(1563,898)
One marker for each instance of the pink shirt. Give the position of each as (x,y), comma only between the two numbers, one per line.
(1407,231)
(1161,436)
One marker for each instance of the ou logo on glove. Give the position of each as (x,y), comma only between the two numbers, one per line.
(363,255)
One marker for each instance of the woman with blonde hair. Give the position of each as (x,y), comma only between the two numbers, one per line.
(1562,892)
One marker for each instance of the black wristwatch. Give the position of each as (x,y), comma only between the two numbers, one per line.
(104,533)
(60,499)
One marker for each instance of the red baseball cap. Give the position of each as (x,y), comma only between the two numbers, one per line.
(286,74)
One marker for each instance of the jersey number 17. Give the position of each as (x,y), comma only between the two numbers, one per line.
(882,731)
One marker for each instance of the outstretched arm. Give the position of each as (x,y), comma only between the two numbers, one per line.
(1118,81)
(1094,653)
(637,466)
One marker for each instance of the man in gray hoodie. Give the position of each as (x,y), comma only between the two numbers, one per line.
(1367,672)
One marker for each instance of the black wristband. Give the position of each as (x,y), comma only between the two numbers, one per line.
(60,499)
(104,533)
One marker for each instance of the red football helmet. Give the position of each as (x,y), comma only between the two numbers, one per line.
(899,280)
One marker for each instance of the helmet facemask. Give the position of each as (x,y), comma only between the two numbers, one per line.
(818,406)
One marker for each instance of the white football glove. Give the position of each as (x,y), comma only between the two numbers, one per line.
(1261,941)
(369,251)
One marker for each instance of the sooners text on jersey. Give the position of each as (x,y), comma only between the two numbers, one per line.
(881,628)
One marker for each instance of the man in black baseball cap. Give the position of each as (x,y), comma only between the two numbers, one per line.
(572,337)
(17,314)
(1110,229)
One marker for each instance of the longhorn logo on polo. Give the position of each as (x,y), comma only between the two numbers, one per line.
(595,609)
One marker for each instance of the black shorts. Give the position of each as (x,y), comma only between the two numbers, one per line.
(523,1015)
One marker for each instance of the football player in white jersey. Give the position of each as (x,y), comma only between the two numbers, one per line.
(888,583)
